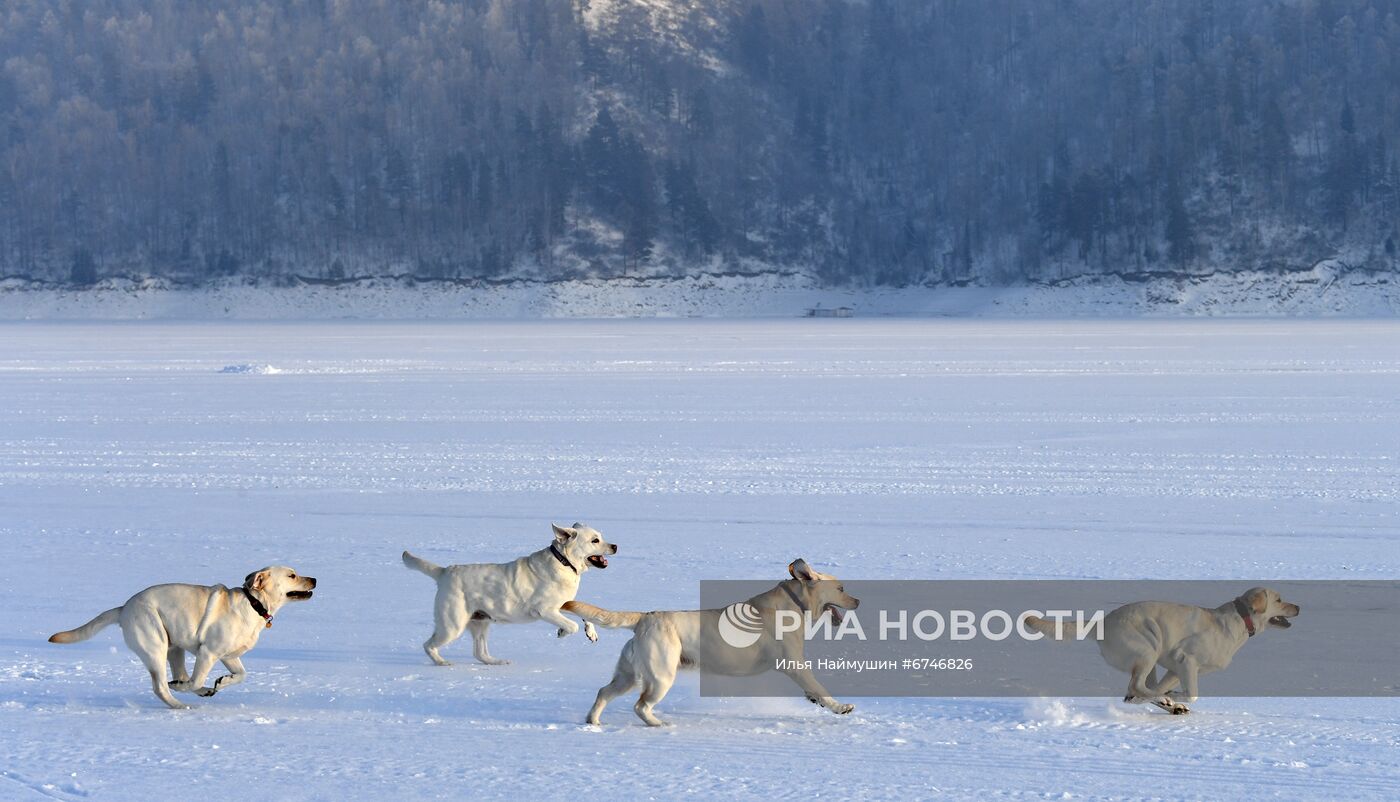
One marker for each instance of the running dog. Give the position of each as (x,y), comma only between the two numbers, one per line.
(529,589)
(163,622)
(667,641)
(1186,641)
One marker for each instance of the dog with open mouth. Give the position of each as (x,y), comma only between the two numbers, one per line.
(667,641)
(1184,640)
(531,588)
(216,623)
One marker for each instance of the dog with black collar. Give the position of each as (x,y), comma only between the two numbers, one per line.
(531,588)
(218,624)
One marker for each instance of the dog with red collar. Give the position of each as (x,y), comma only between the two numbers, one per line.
(1185,641)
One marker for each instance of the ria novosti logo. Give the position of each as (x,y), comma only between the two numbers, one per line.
(923,637)
(740,625)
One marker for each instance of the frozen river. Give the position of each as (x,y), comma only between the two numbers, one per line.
(132,454)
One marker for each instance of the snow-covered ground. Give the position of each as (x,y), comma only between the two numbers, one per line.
(1327,290)
(136,453)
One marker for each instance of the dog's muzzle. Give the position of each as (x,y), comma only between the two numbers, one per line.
(599,561)
(1281,621)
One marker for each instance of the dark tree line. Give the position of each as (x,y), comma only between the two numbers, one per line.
(880,141)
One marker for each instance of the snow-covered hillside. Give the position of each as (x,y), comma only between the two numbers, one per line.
(135,454)
(881,143)
(1324,291)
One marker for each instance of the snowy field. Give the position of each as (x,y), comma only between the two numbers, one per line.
(132,454)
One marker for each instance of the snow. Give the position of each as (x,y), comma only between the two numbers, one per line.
(706,449)
(1323,291)
(692,30)
(266,370)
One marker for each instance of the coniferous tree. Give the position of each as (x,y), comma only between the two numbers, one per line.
(1181,244)
(84,270)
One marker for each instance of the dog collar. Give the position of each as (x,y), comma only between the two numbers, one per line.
(793,596)
(559,555)
(1247,615)
(258,607)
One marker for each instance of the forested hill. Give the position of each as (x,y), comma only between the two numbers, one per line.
(863,141)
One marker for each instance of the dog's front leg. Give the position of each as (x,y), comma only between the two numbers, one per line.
(566,627)
(817,694)
(588,631)
(235,674)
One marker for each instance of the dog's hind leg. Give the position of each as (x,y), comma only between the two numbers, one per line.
(450,620)
(203,663)
(1142,675)
(654,689)
(1144,687)
(158,684)
(1169,681)
(1187,673)
(480,648)
(624,679)
(658,662)
(176,657)
(146,636)
(1190,678)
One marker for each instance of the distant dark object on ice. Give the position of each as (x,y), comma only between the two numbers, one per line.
(840,311)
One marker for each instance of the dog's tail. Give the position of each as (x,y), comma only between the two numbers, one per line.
(1056,630)
(89,629)
(603,618)
(420,564)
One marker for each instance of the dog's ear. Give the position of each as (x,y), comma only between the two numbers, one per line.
(255,580)
(1258,600)
(799,569)
(562,534)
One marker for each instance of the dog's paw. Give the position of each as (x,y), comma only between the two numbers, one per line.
(563,633)
(842,708)
(206,691)
(1172,706)
(590,633)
